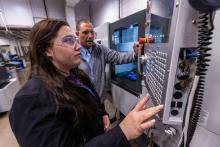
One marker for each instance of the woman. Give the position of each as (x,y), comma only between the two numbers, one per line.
(58,106)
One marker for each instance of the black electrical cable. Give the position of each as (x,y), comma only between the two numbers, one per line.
(119,9)
(204,36)
(45,7)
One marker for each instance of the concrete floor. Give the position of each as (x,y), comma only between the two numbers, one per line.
(7,138)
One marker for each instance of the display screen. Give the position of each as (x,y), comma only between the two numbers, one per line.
(160,28)
(124,33)
(124,39)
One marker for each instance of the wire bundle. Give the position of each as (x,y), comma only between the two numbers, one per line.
(205,31)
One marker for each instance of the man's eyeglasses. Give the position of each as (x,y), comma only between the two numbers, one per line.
(68,40)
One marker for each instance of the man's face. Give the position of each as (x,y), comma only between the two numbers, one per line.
(86,35)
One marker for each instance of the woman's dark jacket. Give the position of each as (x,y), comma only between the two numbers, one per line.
(36,123)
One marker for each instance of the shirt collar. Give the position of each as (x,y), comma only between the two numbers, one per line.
(85,50)
(85,53)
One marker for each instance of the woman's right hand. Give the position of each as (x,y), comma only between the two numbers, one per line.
(139,119)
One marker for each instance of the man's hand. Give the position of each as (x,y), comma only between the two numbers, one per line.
(106,122)
(137,48)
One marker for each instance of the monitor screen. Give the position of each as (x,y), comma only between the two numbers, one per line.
(124,33)
(124,39)
(160,28)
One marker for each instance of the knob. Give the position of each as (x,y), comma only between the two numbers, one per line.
(177,95)
(170,131)
(178,86)
(182,77)
(183,66)
(174,112)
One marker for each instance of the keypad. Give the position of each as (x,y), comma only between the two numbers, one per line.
(155,71)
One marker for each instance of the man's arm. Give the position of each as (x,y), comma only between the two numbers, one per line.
(112,56)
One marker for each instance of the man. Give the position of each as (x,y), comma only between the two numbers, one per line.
(95,56)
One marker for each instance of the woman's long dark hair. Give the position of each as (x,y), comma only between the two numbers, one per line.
(65,92)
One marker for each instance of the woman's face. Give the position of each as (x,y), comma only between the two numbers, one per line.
(65,50)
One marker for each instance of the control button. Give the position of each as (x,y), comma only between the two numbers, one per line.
(178,86)
(177,95)
(179,104)
(174,112)
(173,104)
(183,66)
(183,77)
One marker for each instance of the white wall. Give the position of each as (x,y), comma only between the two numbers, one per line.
(71,8)
(38,10)
(104,11)
(71,17)
(108,10)
(56,9)
(77,11)
(24,13)
(129,7)
(4,41)
(17,12)
(82,11)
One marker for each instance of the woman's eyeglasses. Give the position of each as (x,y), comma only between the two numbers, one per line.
(68,40)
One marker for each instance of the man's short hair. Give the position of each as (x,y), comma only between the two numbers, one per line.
(80,22)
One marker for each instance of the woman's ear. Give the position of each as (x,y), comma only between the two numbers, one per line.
(49,52)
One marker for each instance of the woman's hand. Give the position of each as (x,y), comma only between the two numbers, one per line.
(139,119)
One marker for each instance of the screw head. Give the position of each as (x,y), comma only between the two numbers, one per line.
(177,4)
